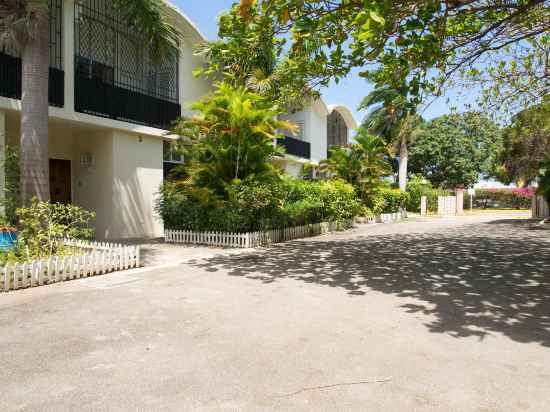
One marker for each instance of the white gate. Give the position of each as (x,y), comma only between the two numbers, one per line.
(446,205)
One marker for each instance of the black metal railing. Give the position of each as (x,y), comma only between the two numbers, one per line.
(11,79)
(295,147)
(100,98)
(108,47)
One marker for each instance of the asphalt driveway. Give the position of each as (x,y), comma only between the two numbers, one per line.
(433,315)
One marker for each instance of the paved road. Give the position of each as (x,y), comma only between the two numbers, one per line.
(433,315)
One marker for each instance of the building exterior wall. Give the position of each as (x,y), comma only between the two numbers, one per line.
(136,181)
(121,182)
(93,183)
(317,131)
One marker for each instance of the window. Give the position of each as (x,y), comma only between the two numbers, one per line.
(171,159)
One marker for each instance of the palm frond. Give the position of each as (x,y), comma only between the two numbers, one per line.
(149,20)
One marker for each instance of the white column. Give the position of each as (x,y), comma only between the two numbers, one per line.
(3,139)
(68,53)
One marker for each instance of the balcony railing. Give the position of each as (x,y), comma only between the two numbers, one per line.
(11,79)
(295,147)
(100,98)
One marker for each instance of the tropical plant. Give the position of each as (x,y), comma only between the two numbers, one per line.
(230,138)
(455,150)
(24,24)
(361,164)
(248,53)
(392,116)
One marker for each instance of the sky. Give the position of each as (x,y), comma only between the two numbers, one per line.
(349,91)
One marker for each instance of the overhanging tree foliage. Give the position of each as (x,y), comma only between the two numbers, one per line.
(250,54)
(408,39)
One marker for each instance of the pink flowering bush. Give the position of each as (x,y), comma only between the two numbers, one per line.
(518,198)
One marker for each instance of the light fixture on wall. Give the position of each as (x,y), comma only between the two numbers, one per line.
(87,160)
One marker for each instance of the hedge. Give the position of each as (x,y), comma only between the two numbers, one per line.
(254,206)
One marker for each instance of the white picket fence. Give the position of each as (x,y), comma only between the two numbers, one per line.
(383,218)
(89,259)
(391,217)
(540,208)
(252,239)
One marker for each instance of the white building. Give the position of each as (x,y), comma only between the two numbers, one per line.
(320,127)
(110,109)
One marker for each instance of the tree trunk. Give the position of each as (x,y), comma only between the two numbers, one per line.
(35,180)
(403,163)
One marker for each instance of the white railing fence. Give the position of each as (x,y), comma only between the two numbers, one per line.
(391,217)
(540,208)
(252,239)
(88,259)
(383,218)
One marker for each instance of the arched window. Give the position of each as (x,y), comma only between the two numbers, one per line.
(337,130)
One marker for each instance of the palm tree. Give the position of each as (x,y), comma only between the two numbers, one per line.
(230,137)
(361,164)
(24,24)
(393,117)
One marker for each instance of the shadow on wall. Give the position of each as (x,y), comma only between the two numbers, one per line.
(473,283)
(134,218)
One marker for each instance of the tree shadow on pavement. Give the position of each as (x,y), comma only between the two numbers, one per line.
(474,279)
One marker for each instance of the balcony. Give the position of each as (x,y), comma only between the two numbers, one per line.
(11,78)
(101,98)
(295,147)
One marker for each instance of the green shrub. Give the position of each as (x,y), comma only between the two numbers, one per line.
(418,187)
(253,206)
(387,200)
(43,226)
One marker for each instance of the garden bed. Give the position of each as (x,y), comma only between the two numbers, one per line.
(253,239)
(89,259)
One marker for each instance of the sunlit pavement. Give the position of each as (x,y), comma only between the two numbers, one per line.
(438,314)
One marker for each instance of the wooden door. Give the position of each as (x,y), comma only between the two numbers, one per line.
(60,181)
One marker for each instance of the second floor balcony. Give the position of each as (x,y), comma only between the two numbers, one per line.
(11,77)
(295,147)
(114,74)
